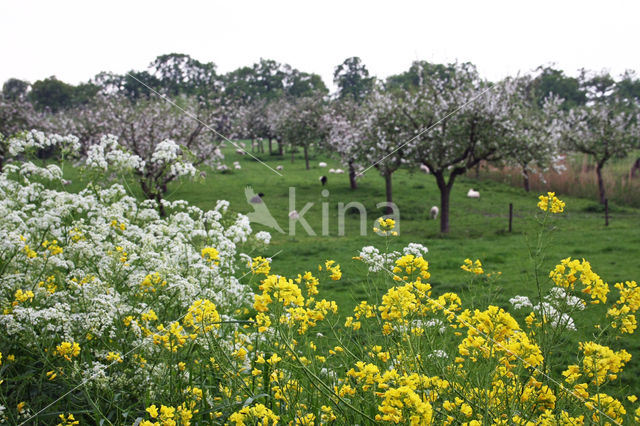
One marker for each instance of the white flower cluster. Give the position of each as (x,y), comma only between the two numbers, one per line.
(109,155)
(35,139)
(555,309)
(418,250)
(165,152)
(75,266)
(377,261)
(29,170)
(182,169)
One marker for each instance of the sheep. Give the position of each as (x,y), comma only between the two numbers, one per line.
(278,168)
(323,180)
(424,168)
(236,165)
(241,152)
(339,171)
(433,213)
(473,194)
(293,215)
(332,170)
(322,164)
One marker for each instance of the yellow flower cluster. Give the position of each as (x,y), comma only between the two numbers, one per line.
(310,282)
(121,226)
(611,407)
(202,316)
(333,269)
(600,364)
(565,275)
(67,420)
(623,311)
(551,203)
(170,416)
(387,227)
(151,282)
(22,296)
(474,267)
(52,247)
(256,414)
(260,265)
(292,307)
(114,357)
(211,255)
(403,404)
(173,338)
(67,350)
(50,284)
(495,333)
(412,268)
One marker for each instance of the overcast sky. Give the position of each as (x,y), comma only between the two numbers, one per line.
(74,40)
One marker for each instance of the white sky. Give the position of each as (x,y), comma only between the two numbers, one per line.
(74,40)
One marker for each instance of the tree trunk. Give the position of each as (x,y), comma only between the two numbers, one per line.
(306,156)
(160,206)
(253,145)
(445,192)
(292,154)
(280,147)
(525,180)
(600,181)
(352,175)
(389,190)
(270,146)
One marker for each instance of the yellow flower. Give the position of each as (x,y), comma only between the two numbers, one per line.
(551,203)
(114,357)
(474,267)
(67,350)
(210,255)
(68,420)
(386,227)
(259,265)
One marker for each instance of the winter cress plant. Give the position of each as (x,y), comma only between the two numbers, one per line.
(111,313)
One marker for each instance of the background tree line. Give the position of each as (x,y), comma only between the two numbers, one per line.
(444,118)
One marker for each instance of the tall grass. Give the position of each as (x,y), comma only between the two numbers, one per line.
(578,179)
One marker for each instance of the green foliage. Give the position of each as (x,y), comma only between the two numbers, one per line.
(554,81)
(352,79)
(14,89)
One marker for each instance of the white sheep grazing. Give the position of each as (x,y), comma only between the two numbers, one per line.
(433,213)
(322,164)
(424,168)
(241,152)
(473,194)
(279,168)
(332,170)
(339,171)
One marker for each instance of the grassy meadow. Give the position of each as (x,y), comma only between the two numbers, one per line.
(479,227)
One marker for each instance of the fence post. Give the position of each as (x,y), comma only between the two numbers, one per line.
(606,212)
(510,215)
